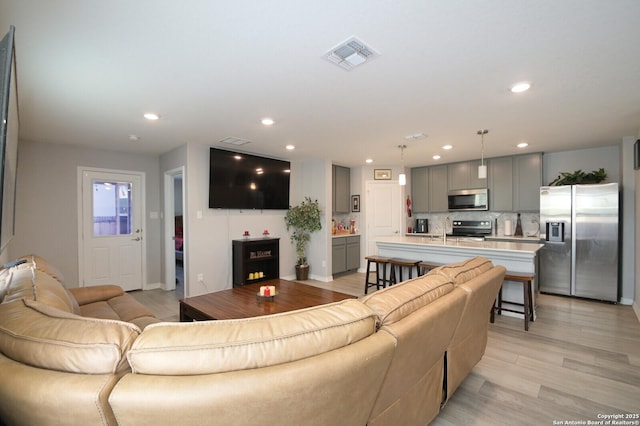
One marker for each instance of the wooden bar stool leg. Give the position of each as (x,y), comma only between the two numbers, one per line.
(366,277)
(525,289)
(492,316)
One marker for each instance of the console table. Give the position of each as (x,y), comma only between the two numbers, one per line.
(255,260)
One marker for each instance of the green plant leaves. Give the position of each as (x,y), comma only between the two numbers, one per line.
(579,177)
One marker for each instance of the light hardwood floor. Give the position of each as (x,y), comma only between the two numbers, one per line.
(579,359)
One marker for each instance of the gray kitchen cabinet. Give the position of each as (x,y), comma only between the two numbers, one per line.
(345,254)
(514,183)
(353,253)
(420,189)
(341,189)
(527,177)
(500,179)
(438,189)
(339,255)
(465,175)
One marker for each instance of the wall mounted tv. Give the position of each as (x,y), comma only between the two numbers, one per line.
(9,124)
(243,181)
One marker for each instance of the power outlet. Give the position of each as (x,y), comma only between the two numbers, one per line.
(200,277)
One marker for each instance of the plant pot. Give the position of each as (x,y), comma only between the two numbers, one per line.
(302,272)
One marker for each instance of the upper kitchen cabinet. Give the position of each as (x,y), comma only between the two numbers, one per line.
(341,189)
(438,189)
(500,180)
(527,179)
(465,175)
(429,189)
(514,183)
(420,189)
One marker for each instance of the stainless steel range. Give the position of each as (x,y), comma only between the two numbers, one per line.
(470,228)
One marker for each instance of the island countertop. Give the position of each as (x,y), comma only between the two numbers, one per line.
(461,243)
(516,257)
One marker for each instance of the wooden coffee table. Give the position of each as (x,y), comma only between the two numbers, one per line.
(241,302)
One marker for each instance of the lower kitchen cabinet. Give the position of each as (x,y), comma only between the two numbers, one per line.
(345,254)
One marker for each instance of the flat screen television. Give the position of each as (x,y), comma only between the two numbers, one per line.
(243,181)
(8,137)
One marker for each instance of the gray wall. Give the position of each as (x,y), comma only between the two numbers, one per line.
(587,160)
(47,203)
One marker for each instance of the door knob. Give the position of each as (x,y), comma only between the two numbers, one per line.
(136,239)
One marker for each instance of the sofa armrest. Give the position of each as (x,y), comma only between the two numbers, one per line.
(86,295)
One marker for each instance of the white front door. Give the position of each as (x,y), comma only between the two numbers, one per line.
(383,212)
(111,235)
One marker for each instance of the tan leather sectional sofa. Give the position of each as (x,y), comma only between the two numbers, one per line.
(93,356)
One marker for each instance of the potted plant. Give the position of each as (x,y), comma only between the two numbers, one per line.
(303,219)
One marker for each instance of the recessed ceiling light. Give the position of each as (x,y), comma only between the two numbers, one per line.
(368,161)
(436,157)
(522,145)
(523,86)
(290,147)
(447,146)
(268,121)
(151,116)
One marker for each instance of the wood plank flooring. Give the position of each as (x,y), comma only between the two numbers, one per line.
(579,359)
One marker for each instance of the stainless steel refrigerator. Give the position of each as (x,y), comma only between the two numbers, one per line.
(579,226)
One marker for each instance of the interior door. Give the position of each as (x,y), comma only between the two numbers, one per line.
(112,234)
(384,212)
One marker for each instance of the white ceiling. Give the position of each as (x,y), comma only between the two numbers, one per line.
(88,70)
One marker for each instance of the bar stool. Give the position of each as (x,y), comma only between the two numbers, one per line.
(424,267)
(400,263)
(527,311)
(381,275)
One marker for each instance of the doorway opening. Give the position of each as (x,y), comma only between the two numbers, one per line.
(175,232)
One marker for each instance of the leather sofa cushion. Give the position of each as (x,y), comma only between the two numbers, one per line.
(45,266)
(116,305)
(41,336)
(87,295)
(465,270)
(33,284)
(230,345)
(398,301)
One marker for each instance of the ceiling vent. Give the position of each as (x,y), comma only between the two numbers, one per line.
(234,141)
(350,53)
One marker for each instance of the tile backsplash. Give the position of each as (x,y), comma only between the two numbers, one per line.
(530,221)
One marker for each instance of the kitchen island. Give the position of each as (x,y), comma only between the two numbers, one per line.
(517,257)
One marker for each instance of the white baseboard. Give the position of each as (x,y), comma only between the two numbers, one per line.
(626,301)
(152,286)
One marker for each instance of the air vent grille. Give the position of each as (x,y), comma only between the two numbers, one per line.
(350,53)
(234,141)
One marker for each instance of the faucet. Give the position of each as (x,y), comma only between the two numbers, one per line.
(446,223)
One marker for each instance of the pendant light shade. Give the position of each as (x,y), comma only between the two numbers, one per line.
(482,171)
(482,168)
(402,178)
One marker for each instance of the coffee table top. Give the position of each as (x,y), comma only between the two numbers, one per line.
(242,302)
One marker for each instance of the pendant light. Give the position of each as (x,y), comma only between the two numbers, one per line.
(482,168)
(402,178)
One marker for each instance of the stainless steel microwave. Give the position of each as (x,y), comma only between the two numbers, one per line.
(468,199)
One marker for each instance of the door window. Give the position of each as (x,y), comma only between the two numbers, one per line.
(112,209)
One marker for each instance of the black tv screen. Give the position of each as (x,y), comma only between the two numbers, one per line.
(243,181)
